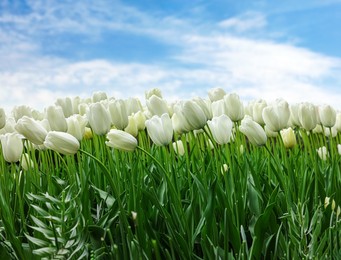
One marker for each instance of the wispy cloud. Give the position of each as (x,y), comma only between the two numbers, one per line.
(204,55)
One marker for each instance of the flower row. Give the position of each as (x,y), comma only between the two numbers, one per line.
(63,125)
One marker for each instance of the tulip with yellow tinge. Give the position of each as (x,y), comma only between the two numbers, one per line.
(288,137)
(121,140)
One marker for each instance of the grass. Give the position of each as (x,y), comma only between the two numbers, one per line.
(102,203)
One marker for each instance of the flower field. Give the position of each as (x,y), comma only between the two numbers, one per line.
(206,178)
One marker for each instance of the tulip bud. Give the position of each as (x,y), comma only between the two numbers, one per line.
(257,111)
(76,126)
(61,142)
(338,122)
(221,129)
(21,111)
(160,129)
(323,153)
(327,115)
(269,133)
(140,120)
(157,106)
(194,115)
(2,118)
(339,149)
(154,91)
(31,129)
(12,147)
(99,118)
(118,113)
(216,94)
(294,118)
(56,118)
(26,162)
(66,105)
(178,147)
(132,126)
(180,124)
(205,105)
(234,108)
(218,108)
(133,105)
(121,140)
(288,137)
(276,116)
(326,202)
(253,131)
(224,168)
(99,96)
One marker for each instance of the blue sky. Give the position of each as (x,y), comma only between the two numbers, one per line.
(257,49)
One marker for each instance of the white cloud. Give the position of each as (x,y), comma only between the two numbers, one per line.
(207,56)
(244,22)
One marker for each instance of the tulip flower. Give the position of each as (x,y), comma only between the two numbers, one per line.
(193,114)
(26,162)
(133,105)
(307,116)
(294,118)
(253,131)
(76,126)
(118,113)
(99,118)
(288,137)
(221,129)
(178,147)
(160,129)
(21,111)
(2,118)
(218,108)
(180,124)
(9,126)
(99,96)
(67,106)
(56,118)
(31,129)
(205,105)
(234,108)
(140,120)
(276,116)
(327,115)
(216,94)
(121,140)
(338,122)
(157,106)
(154,91)
(269,133)
(132,126)
(12,147)
(323,153)
(257,111)
(61,142)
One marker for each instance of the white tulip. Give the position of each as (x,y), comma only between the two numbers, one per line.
(61,142)
(160,129)
(221,129)
(121,140)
